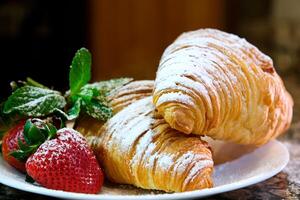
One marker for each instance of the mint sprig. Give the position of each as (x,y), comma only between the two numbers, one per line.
(89,98)
(33,101)
(98,109)
(109,86)
(92,99)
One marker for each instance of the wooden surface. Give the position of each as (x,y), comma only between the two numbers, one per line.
(127,37)
(285,185)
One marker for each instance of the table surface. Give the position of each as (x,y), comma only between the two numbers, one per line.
(285,185)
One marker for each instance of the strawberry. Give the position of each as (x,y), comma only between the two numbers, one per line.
(66,163)
(23,140)
(10,144)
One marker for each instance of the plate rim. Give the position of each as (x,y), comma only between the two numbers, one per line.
(183,195)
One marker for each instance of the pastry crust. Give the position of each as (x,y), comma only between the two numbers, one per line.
(213,83)
(137,147)
(129,93)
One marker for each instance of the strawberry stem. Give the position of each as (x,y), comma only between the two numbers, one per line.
(36,132)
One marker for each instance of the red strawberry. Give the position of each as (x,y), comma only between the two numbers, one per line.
(10,144)
(66,163)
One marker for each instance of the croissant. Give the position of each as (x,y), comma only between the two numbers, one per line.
(214,83)
(129,93)
(138,147)
(118,99)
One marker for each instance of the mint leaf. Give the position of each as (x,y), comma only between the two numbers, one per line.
(61,115)
(80,73)
(97,109)
(92,99)
(33,101)
(74,112)
(108,86)
(87,93)
(31,82)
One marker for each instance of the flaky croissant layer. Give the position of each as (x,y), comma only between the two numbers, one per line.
(213,83)
(135,147)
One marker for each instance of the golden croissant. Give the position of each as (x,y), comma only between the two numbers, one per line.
(129,93)
(213,83)
(137,147)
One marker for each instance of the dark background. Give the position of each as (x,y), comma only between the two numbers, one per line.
(38,38)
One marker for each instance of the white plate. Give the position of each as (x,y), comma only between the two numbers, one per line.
(256,166)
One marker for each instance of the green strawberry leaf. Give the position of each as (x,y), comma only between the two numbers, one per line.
(32,133)
(51,130)
(19,155)
(36,132)
(22,146)
(29,179)
(33,101)
(80,72)
(97,109)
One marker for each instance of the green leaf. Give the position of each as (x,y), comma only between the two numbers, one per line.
(61,114)
(31,82)
(86,93)
(97,109)
(94,97)
(74,112)
(29,179)
(80,73)
(33,101)
(32,133)
(51,130)
(25,151)
(22,146)
(19,155)
(106,87)
(36,132)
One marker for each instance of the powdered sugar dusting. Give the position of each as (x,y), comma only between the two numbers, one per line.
(175,96)
(148,148)
(228,84)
